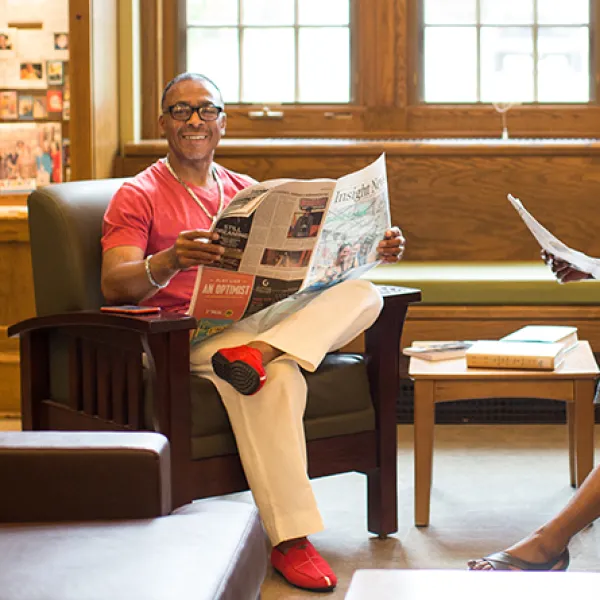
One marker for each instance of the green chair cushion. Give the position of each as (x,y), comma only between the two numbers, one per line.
(466,283)
(339,402)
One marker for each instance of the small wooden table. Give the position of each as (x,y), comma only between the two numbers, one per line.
(450,380)
(406,584)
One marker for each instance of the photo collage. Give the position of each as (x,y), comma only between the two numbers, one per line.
(34,94)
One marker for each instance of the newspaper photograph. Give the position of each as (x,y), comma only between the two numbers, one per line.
(286,236)
(553,245)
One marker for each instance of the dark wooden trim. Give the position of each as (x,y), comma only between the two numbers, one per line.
(174,38)
(148,324)
(89,378)
(76,369)
(118,387)
(35,377)
(179,414)
(357,452)
(383,361)
(59,417)
(80,69)
(151,48)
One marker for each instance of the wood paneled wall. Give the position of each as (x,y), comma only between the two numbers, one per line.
(93,29)
(16,299)
(449,199)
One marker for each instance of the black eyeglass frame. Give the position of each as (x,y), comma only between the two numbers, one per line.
(200,110)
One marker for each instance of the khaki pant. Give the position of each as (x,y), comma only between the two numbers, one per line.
(268,425)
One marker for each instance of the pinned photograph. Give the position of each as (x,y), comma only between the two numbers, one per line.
(7,42)
(61,41)
(30,71)
(8,105)
(25,106)
(29,156)
(55,72)
(54,100)
(40,110)
(66,93)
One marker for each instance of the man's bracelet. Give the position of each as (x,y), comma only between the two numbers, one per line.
(151,279)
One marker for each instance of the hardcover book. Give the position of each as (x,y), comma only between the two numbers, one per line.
(499,354)
(549,334)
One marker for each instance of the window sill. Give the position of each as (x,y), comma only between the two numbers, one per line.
(357,146)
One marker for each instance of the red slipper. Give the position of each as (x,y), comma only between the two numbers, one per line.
(242,367)
(304,567)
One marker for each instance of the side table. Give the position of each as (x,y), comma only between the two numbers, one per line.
(450,380)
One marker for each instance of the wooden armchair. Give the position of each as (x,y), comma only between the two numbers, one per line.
(82,369)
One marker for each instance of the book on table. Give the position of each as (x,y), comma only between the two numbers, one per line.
(549,334)
(500,354)
(437,350)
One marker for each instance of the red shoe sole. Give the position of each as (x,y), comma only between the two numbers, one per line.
(239,374)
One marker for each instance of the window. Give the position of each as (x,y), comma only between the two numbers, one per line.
(528,51)
(272,51)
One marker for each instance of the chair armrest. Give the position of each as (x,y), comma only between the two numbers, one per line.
(382,348)
(145,324)
(73,476)
(104,368)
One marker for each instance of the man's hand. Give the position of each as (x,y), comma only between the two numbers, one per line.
(391,247)
(193,248)
(563,271)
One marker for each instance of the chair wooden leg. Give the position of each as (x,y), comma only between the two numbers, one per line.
(382,500)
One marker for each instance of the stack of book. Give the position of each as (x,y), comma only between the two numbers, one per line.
(542,347)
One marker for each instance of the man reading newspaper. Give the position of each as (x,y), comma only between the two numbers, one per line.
(156,235)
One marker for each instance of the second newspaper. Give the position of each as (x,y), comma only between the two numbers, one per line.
(288,236)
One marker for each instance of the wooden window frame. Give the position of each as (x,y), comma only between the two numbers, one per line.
(428,120)
(386,79)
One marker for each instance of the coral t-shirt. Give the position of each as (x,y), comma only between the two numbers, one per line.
(152,209)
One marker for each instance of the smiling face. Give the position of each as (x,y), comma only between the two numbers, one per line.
(194,139)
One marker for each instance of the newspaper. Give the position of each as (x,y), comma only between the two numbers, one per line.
(284,237)
(554,246)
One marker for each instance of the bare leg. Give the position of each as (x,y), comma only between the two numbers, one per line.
(551,539)
(268,352)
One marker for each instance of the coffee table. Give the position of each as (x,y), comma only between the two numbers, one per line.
(425,584)
(450,380)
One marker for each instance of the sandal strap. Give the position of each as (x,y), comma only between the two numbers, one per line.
(503,561)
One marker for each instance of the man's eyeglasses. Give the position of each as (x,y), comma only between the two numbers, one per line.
(182,111)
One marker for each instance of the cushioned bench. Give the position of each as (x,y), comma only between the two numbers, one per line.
(507,283)
(470,300)
(87,516)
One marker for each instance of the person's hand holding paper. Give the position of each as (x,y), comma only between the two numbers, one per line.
(563,271)
(567,264)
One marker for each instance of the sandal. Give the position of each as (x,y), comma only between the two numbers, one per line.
(503,561)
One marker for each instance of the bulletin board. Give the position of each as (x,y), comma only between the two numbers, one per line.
(34,94)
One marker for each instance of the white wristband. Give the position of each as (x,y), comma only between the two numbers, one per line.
(151,279)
